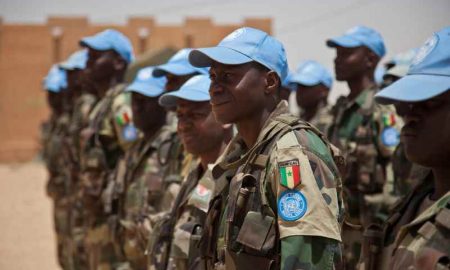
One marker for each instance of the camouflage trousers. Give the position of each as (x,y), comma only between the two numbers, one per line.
(61,223)
(102,249)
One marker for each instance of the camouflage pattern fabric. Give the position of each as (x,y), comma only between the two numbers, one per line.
(367,134)
(58,185)
(142,191)
(109,133)
(284,208)
(79,119)
(189,220)
(424,243)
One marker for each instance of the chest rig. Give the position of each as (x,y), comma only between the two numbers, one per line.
(244,212)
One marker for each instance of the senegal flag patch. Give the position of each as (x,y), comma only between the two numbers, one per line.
(289,173)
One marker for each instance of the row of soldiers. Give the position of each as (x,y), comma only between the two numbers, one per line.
(198,163)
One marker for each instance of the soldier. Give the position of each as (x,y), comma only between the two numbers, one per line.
(417,235)
(201,136)
(313,84)
(56,83)
(109,133)
(82,103)
(282,206)
(177,71)
(137,189)
(367,133)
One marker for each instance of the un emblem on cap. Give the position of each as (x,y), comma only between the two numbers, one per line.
(425,50)
(145,74)
(234,35)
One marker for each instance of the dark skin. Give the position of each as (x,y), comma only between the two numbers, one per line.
(426,137)
(174,82)
(356,66)
(199,132)
(73,88)
(148,115)
(284,93)
(310,97)
(55,102)
(104,69)
(244,95)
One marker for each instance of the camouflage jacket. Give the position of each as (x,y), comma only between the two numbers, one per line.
(424,243)
(79,120)
(53,140)
(192,204)
(413,237)
(284,206)
(367,133)
(110,131)
(146,181)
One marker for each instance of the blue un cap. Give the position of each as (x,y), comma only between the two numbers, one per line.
(146,84)
(77,60)
(360,36)
(195,89)
(110,39)
(178,65)
(428,75)
(400,63)
(311,73)
(243,46)
(56,79)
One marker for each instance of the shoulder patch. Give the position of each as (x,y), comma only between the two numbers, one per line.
(289,173)
(129,133)
(292,205)
(390,137)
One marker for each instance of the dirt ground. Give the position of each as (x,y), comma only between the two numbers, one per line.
(26,237)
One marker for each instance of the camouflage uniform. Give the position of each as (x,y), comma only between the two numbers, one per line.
(360,129)
(109,133)
(180,231)
(414,237)
(322,119)
(146,182)
(58,184)
(282,208)
(79,119)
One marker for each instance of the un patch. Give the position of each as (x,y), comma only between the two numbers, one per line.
(390,137)
(292,205)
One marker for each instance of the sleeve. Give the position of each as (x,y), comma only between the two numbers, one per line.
(388,126)
(309,252)
(308,203)
(122,121)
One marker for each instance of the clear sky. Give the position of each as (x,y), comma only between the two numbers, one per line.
(302,25)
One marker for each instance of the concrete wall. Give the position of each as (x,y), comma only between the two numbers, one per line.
(28,51)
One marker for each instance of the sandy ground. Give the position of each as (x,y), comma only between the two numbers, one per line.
(26,226)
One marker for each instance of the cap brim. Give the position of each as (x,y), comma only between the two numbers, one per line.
(398,71)
(343,41)
(145,89)
(204,57)
(413,88)
(175,69)
(170,99)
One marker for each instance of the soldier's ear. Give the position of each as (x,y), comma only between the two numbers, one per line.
(372,59)
(273,83)
(119,64)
